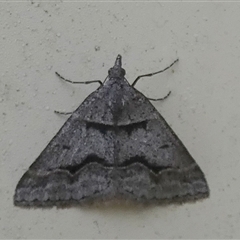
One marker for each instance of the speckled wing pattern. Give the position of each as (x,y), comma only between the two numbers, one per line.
(115,145)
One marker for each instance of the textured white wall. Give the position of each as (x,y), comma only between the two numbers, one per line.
(81,41)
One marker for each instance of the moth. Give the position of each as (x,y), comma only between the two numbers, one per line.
(115,145)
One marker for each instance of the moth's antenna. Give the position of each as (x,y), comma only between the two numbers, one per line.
(118,62)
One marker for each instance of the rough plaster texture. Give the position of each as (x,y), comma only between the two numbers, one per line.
(81,41)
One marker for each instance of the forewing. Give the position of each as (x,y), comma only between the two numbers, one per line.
(76,164)
(155,165)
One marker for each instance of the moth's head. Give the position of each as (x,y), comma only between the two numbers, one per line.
(117,71)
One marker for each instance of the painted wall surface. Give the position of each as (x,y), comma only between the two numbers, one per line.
(81,41)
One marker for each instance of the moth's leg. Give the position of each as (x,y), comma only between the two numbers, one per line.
(63,113)
(160,99)
(151,74)
(86,82)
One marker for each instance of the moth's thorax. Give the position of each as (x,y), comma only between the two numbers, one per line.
(115,93)
(116,72)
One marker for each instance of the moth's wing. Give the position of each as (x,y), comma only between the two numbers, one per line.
(73,167)
(154,163)
(113,104)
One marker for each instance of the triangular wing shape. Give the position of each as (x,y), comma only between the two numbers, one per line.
(115,144)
